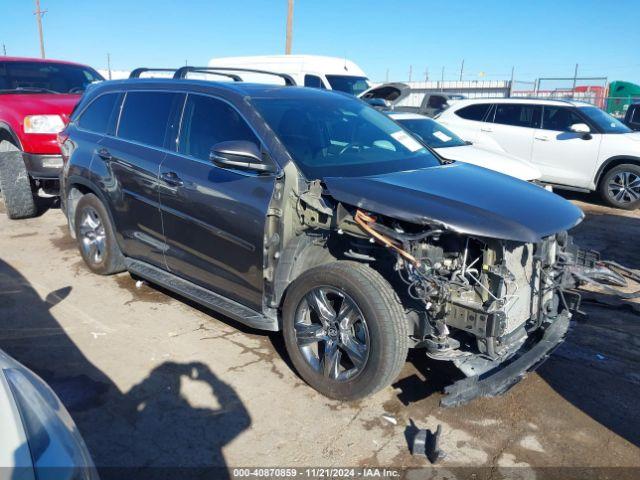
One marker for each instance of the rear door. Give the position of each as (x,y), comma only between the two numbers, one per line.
(467,122)
(132,158)
(565,157)
(512,126)
(214,218)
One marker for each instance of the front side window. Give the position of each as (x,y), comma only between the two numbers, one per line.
(604,121)
(517,115)
(99,114)
(145,116)
(346,83)
(207,121)
(474,112)
(432,133)
(335,135)
(635,115)
(559,118)
(45,77)
(313,81)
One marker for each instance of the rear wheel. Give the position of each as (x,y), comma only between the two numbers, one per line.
(345,330)
(95,237)
(15,184)
(620,186)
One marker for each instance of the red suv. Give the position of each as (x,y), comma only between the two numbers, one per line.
(36,98)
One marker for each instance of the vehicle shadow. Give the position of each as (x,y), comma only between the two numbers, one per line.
(152,430)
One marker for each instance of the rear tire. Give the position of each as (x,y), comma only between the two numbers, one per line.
(345,356)
(620,186)
(15,184)
(94,234)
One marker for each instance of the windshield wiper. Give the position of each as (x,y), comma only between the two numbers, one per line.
(28,90)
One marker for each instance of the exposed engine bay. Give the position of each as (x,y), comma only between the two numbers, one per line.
(477,302)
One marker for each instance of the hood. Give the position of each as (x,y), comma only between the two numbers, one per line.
(41,103)
(462,198)
(500,162)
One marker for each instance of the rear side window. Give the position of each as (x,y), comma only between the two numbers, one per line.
(313,81)
(559,118)
(145,116)
(635,116)
(99,115)
(207,121)
(474,112)
(517,115)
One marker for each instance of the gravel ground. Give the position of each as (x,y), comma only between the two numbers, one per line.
(152,380)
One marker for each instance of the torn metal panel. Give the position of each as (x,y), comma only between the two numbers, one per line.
(462,198)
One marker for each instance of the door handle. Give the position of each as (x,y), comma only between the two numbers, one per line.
(486,129)
(104,154)
(172,178)
(542,138)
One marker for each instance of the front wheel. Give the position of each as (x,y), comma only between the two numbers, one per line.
(345,330)
(620,187)
(15,184)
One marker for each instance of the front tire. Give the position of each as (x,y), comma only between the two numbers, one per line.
(345,330)
(15,184)
(620,186)
(94,234)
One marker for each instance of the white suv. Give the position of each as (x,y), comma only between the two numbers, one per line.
(575,145)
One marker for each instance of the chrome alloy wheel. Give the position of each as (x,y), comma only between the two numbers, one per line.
(624,187)
(332,333)
(92,236)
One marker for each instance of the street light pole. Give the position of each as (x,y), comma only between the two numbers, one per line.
(287,50)
(39,13)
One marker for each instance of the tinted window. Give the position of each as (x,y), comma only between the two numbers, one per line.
(338,135)
(345,83)
(37,77)
(474,112)
(559,118)
(516,115)
(207,121)
(313,81)
(635,116)
(604,121)
(145,116)
(97,117)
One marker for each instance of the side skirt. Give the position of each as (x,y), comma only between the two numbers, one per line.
(204,297)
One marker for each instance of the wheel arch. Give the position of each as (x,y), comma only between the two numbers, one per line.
(613,162)
(77,187)
(7,133)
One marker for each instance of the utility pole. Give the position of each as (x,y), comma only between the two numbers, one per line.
(442,80)
(575,79)
(4,49)
(461,69)
(426,74)
(109,65)
(513,70)
(39,13)
(410,71)
(287,49)
(387,77)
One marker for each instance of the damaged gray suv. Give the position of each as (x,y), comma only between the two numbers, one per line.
(309,212)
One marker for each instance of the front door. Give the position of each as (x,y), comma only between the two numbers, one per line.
(565,157)
(214,218)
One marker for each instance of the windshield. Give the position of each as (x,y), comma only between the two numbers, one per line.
(39,77)
(431,132)
(345,83)
(604,121)
(331,135)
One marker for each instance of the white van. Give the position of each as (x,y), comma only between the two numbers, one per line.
(331,73)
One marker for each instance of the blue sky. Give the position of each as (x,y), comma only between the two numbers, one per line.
(538,38)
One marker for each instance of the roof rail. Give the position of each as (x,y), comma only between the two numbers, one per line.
(182,72)
(139,71)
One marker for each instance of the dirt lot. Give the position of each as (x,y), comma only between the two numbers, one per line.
(152,380)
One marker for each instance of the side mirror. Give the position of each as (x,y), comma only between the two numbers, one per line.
(580,128)
(379,103)
(239,155)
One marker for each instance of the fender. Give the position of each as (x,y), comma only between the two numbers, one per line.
(7,128)
(612,162)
